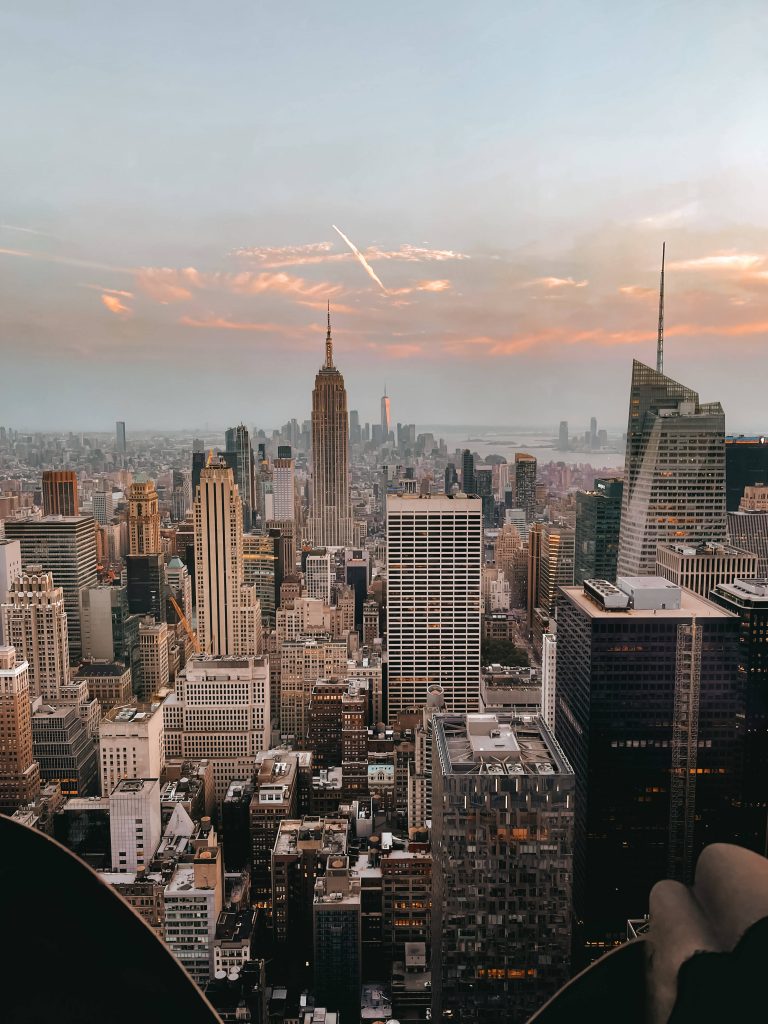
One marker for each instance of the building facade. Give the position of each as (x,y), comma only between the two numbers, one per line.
(598,524)
(35,623)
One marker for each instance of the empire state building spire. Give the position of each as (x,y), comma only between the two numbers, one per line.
(329,342)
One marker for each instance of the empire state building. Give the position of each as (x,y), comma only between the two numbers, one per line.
(330,523)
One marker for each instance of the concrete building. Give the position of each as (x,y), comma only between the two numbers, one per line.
(60,493)
(284,485)
(525,484)
(10,568)
(649,711)
(63,748)
(180,584)
(131,744)
(239,457)
(434,599)
(66,547)
(548,678)
(336,915)
(153,654)
(702,567)
(109,682)
(134,823)
(556,564)
(749,532)
(228,610)
(19,772)
(674,474)
(502,836)
(302,663)
(103,506)
(420,770)
(280,779)
(35,623)
(143,519)
(220,711)
(194,898)
(318,574)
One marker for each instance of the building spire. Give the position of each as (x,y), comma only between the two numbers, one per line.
(660,337)
(329,342)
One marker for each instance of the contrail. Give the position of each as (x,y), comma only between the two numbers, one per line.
(362,260)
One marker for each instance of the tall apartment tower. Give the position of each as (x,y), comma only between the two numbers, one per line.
(228,610)
(555,564)
(35,623)
(674,471)
(468,482)
(19,772)
(598,523)
(66,547)
(386,419)
(284,485)
(153,653)
(120,436)
(240,458)
(502,846)
(525,484)
(103,506)
(434,599)
(330,523)
(60,493)
(143,519)
(649,710)
(10,567)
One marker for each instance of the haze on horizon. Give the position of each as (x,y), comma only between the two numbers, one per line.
(172,175)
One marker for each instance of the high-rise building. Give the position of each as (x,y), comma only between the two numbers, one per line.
(317,574)
(220,711)
(749,600)
(19,772)
(60,493)
(120,436)
(153,654)
(238,448)
(10,568)
(674,471)
(355,431)
(302,663)
(434,599)
(525,484)
(502,840)
(180,583)
(451,478)
(534,571)
(555,564)
(35,623)
(386,419)
(468,484)
(64,748)
(649,710)
(337,931)
(145,585)
(746,464)
(701,567)
(563,440)
(284,485)
(143,519)
(598,523)
(134,823)
(484,491)
(131,744)
(749,531)
(357,572)
(228,611)
(330,523)
(103,506)
(109,631)
(193,901)
(65,546)
(593,432)
(548,678)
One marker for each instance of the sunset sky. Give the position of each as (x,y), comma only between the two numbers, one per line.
(171,174)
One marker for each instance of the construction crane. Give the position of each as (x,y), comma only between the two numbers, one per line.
(183,620)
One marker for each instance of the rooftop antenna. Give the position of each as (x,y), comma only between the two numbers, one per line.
(660,337)
(329,342)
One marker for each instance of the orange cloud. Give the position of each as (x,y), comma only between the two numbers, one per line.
(321,252)
(114,305)
(636,291)
(721,261)
(555,282)
(167,284)
(223,324)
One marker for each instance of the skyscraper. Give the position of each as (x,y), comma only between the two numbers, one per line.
(434,599)
(598,522)
(19,772)
(65,546)
(228,610)
(749,531)
(330,523)
(502,840)
(484,491)
(746,464)
(648,709)
(674,471)
(10,567)
(386,425)
(143,519)
(120,436)
(60,493)
(238,448)
(103,506)
(562,437)
(35,623)
(284,485)
(525,484)
(556,564)
(468,484)
(451,478)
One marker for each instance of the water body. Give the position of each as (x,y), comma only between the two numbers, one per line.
(508,440)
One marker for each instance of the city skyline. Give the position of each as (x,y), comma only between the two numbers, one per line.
(529,252)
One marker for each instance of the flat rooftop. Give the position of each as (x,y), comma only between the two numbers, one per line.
(690,604)
(501,743)
(135,713)
(235,925)
(96,669)
(327,835)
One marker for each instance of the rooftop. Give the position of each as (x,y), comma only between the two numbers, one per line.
(497,744)
(749,590)
(91,669)
(327,835)
(235,925)
(689,603)
(132,713)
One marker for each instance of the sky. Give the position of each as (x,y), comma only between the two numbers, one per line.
(182,186)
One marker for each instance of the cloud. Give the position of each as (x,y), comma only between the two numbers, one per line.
(553,283)
(442,285)
(669,218)
(30,231)
(727,261)
(361,259)
(223,324)
(114,305)
(166,284)
(321,252)
(636,291)
(108,291)
(67,261)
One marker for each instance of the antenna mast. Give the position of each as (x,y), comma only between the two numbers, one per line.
(660,337)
